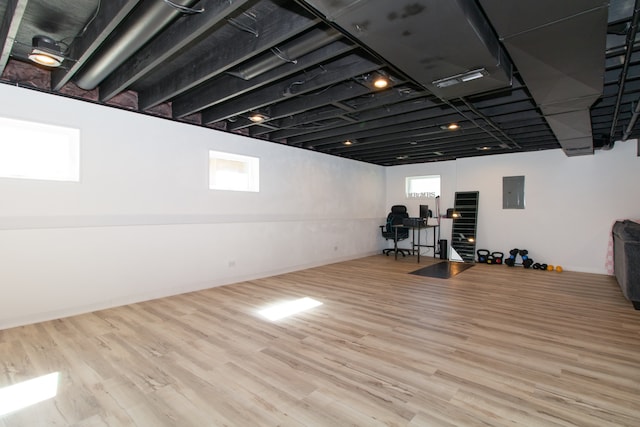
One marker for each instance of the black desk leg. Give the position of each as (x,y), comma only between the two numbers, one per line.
(395,243)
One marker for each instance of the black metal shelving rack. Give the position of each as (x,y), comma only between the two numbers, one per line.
(464,231)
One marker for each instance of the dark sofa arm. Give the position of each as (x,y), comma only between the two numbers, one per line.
(626,257)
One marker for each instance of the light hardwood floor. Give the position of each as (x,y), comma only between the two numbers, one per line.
(492,346)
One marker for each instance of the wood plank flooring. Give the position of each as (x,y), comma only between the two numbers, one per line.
(492,346)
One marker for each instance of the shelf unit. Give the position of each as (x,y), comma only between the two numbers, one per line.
(464,231)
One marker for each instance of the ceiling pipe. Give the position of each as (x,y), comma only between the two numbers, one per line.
(631,37)
(308,42)
(632,122)
(144,23)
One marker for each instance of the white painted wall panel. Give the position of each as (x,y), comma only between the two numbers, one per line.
(142,222)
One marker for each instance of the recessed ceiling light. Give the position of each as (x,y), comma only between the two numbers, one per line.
(402,157)
(381,82)
(485,148)
(413,143)
(450,126)
(347,142)
(257,118)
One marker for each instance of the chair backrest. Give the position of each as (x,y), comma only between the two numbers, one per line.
(396,216)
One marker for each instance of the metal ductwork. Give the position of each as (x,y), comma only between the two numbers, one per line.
(288,52)
(446,46)
(558,48)
(144,23)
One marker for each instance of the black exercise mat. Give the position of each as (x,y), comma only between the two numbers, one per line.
(443,270)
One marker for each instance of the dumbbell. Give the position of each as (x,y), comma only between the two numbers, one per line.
(536,266)
(526,261)
(543,267)
(483,255)
(511,261)
(497,257)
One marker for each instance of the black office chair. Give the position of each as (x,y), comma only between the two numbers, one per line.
(396,216)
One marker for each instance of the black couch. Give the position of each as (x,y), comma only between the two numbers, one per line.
(626,259)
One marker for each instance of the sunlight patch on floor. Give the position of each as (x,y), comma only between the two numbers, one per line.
(27,393)
(288,308)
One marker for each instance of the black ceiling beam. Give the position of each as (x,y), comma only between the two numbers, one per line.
(427,150)
(317,78)
(170,42)
(384,110)
(110,15)
(276,27)
(429,124)
(392,118)
(293,126)
(326,96)
(311,118)
(513,96)
(508,108)
(226,87)
(426,136)
(9,28)
(301,102)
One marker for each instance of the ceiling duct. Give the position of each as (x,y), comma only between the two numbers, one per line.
(444,45)
(559,50)
(288,52)
(144,23)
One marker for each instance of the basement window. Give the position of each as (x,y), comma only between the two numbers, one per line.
(427,186)
(233,172)
(31,150)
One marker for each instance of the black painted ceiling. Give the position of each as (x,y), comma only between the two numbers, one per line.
(553,73)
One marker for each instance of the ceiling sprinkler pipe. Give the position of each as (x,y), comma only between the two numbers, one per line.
(144,23)
(632,122)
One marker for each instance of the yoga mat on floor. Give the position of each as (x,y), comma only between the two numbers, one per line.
(442,270)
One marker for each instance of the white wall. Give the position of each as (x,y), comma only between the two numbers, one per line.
(571,202)
(142,222)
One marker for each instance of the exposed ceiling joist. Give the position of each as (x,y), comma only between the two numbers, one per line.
(307,67)
(108,17)
(226,87)
(169,43)
(314,79)
(274,28)
(9,28)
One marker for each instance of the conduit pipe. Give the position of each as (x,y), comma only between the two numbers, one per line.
(632,122)
(144,23)
(631,38)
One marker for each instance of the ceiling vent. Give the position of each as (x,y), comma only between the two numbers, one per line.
(446,46)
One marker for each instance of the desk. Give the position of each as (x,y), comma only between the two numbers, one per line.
(416,246)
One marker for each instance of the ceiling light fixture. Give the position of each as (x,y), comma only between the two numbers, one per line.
(460,78)
(257,118)
(450,126)
(347,142)
(46,51)
(380,82)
